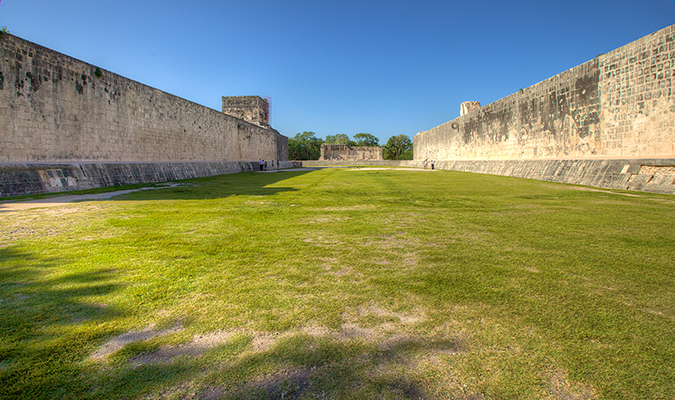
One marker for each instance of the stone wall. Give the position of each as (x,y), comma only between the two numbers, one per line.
(54,108)
(31,178)
(344,152)
(618,105)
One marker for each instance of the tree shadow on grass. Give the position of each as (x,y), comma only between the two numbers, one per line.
(308,367)
(213,187)
(39,320)
(220,186)
(298,367)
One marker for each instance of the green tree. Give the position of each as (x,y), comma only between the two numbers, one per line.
(304,146)
(366,139)
(398,148)
(338,138)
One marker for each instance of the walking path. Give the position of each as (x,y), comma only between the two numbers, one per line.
(60,200)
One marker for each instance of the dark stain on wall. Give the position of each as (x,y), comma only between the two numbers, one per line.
(550,112)
(487,125)
(34,82)
(586,87)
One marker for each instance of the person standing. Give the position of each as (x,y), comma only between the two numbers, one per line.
(425,163)
(261,164)
(432,164)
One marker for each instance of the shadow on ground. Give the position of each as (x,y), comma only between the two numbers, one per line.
(298,367)
(38,321)
(191,189)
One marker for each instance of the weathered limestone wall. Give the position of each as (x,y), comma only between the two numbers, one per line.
(344,152)
(54,108)
(618,105)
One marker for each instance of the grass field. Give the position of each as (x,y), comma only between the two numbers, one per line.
(342,284)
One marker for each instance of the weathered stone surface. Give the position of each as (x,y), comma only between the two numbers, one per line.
(24,179)
(618,105)
(54,108)
(344,152)
(468,106)
(253,109)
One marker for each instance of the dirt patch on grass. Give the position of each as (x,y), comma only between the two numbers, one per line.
(350,208)
(285,384)
(322,241)
(380,312)
(264,341)
(195,348)
(327,219)
(563,389)
(124,339)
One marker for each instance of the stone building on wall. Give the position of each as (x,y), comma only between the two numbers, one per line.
(253,109)
(468,106)
(346,153)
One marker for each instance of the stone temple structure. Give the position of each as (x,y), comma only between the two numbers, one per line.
(253,109)
(343,152)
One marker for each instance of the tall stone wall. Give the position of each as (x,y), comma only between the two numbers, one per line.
(54,108)
(618,105)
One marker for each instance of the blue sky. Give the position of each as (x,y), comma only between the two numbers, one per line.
(381,67)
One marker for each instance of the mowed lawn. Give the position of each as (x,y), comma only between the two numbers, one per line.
(342,284)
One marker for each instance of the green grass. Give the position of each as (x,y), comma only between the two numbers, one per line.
(342,284)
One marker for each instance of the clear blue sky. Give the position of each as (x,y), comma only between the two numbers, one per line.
(381,67)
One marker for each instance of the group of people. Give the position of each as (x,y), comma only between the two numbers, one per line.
(263,165)
(425,164)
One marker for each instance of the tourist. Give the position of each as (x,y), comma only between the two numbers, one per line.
(425,163)
(432,164)
(261,164)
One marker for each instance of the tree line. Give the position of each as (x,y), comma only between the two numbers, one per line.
(306,146)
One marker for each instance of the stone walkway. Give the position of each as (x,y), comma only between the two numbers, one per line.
(60,200)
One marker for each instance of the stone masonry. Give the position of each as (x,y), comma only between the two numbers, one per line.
(253,109)
(54,108)
(468,106)
(620,104)
(609,122)
(69,125)
(344,152)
